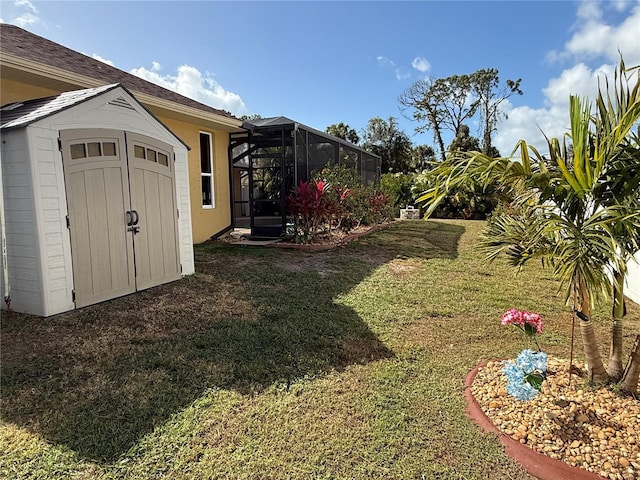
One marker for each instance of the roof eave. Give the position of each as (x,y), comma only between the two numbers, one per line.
(53,73)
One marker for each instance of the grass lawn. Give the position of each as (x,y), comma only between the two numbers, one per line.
(271,363)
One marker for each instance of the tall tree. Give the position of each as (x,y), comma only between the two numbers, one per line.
(445,104)
(384,138)
(486,87)
(440,105)
(464,142)
(344,131)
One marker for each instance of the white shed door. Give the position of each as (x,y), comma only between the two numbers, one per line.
(152,177)
(122,213)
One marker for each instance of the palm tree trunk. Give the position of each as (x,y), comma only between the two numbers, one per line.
(615,353)
(595,367)
(632,372)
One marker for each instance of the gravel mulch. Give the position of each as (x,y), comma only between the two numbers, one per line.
(594,429)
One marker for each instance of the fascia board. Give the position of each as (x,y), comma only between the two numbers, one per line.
(61,75)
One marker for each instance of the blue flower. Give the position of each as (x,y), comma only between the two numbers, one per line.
(521,376)
(530,361)
(513,372)
(521,390)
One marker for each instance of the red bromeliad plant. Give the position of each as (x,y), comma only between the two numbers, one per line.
(310,207)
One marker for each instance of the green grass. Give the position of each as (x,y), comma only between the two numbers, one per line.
(271,363)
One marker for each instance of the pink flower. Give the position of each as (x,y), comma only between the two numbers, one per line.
(521,319)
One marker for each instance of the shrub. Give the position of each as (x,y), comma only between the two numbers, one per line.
(471,201)
(334,198)
(310,207)
(398,189)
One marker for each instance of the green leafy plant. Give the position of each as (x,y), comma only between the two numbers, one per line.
(310,208)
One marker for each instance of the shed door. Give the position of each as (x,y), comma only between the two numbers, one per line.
(97,184)
(152,177)
(122,213)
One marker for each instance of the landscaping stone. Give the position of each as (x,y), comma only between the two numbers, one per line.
(597,430)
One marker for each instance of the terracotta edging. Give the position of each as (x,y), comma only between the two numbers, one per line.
(535,463)
(341,243)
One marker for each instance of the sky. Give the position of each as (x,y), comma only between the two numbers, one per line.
(326,62)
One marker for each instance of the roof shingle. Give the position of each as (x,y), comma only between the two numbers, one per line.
(20,43)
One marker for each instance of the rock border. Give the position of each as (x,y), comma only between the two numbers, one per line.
(535,463)
(328,246)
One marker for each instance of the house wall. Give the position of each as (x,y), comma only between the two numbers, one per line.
(12,91)
(21,222)
(205,221)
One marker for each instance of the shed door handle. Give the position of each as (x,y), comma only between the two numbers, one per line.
(129,218)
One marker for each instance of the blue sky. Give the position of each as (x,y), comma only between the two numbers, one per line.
(327,62)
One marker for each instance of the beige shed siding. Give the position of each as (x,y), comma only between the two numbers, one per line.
(134,120)
(21,225)
(52,209)
(184,207)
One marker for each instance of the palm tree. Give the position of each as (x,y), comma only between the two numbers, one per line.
(575,209)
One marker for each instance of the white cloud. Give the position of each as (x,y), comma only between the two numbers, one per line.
(526,123)
(593,38)
(29,17)
(103,60)
(25,20)
(385,62)
(402,74)
(421,64)
(26,4)
(191,83)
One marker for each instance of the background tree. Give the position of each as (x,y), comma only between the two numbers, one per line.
(344,131)
(253,116)
(397,187)
(423,156)
(384,138)
(464,142)
(445,104)
(484,84)
(440,105)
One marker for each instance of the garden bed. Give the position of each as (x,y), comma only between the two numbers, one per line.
(593,429)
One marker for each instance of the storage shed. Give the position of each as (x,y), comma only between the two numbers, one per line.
(95,200)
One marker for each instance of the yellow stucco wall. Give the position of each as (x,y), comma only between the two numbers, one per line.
(12,91)
(205,221)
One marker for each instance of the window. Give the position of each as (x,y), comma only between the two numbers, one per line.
(93,149)
(206,169)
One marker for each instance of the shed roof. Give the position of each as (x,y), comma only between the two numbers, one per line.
(21,43)
(21,114)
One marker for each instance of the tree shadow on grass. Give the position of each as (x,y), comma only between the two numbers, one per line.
(99,378)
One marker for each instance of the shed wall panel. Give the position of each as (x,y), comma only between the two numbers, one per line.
(51,211)
(184,208)
(24,263)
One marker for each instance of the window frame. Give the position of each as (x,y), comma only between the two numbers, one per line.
(209,175)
